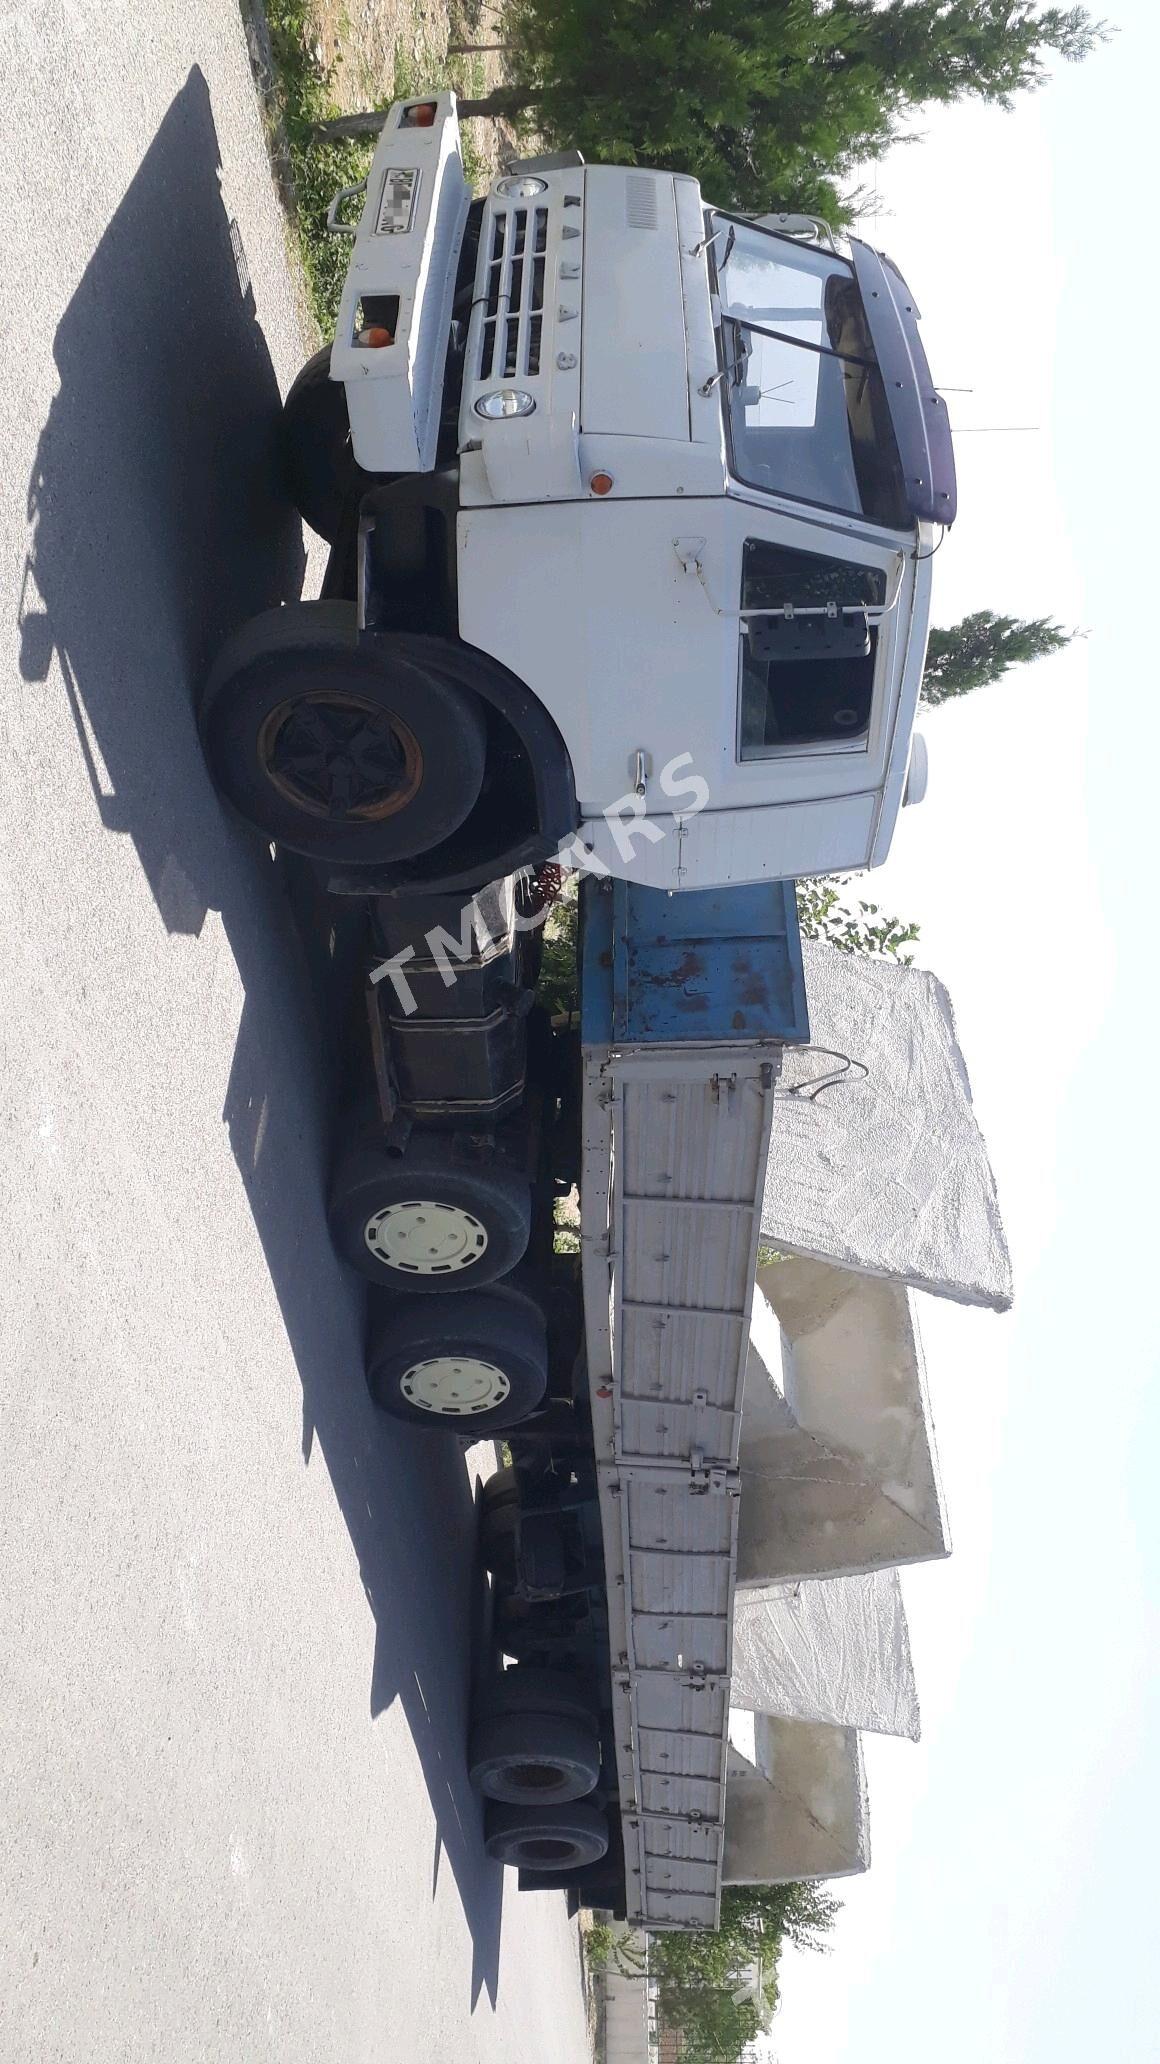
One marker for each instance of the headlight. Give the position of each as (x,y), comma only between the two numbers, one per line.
(505,401)
(522,189)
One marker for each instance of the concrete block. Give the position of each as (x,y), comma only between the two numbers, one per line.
(795,1802)
(838,1467)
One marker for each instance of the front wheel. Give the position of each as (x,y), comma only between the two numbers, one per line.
(474,1363)
(323,478)
(337,746)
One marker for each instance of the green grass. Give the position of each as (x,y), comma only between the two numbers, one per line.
(469,82)
(558,986)
(318,169)
(565,1228)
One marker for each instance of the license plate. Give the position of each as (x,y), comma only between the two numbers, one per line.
(397,205)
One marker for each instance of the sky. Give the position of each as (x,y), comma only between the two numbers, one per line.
(1009,1910)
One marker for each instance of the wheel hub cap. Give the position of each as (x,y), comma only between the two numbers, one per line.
(339,755)
(425,1239)
(455,1386)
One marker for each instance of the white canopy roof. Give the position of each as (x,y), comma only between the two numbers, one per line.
(885,1172)
(836,1650)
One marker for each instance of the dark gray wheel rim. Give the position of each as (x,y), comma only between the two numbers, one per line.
(334,754)
(529,1778)
(545,1849)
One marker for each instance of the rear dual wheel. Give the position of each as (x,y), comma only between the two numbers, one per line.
(426,1220)
(546,1838)
(475,1363)
(536,1739)
(537,1759)
(529,1630)
(499,1531)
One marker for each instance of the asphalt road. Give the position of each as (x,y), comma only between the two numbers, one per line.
(235,1610)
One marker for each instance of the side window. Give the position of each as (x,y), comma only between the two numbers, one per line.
(806,678)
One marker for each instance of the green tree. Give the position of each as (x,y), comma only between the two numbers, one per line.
(861,928)
(716,2029)
(982,648)
(703,1977)
(802,1914)
(770,103)
(613,1946)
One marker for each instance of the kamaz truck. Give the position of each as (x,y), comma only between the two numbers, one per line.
(631,505)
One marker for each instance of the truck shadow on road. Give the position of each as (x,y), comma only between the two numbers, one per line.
(405,1495)
(157,525)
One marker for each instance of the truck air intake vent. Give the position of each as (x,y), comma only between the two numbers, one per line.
(640,201)
(511,331)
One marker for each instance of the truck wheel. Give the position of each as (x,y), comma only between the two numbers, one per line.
(534,1759)
(501,1488)
(548,1838)
(528,1690)
(426,1220)
(323,477)
(499,1527)
(499,1519)
(338,746)
(515,1626)
(525,1630)
(475,1363)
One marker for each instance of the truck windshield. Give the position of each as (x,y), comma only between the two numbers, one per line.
(805,407)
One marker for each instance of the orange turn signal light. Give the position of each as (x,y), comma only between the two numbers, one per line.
(420,115)
(375,337)
(601,483)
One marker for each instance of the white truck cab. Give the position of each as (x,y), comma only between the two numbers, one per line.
(690,472)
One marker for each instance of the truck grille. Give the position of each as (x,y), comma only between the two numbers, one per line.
(512,327)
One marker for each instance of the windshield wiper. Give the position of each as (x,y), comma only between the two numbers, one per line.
(735,367)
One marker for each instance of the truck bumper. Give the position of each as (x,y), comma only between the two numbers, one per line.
(401,283)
